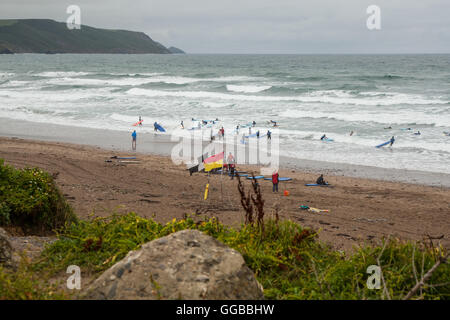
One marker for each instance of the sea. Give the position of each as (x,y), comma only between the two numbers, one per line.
(373,96)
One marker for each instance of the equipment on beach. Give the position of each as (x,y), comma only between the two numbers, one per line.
(256,177)
(206,191)
(316,185)
(315,210)
(383,144)
(279,179)
(286,193)
(123,158)
(158,127)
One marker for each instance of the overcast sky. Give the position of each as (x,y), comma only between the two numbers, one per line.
(262,26)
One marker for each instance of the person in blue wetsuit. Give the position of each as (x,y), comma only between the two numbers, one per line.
(133,140)
(154,126)
(392,141)
(269,135)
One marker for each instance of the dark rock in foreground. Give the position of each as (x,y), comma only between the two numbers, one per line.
(184,265)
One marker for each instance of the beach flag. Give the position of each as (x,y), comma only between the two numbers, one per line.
(213,162)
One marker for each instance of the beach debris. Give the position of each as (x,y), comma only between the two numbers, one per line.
(311,209)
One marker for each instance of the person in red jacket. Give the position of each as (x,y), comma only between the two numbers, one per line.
(275,182)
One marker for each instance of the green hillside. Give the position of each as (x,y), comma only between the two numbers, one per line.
(48,36)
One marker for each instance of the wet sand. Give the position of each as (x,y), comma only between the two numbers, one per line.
(361,209)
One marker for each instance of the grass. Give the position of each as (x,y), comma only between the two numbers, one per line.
(30,200)
(287,259)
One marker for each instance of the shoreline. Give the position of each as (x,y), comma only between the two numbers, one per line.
(161,144)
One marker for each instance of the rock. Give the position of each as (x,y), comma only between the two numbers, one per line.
(5,249)
(184,265)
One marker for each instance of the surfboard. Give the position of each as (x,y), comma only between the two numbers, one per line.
(256,177)
(284,179)
(137,123)
(327,140)
(158,127)
(383,144)
(251,135)
(316,185)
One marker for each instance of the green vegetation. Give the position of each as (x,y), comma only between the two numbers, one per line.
(24,284)
(287,259)
(48,36)
(30,200)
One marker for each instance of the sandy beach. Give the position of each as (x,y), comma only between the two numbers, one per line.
(361,210)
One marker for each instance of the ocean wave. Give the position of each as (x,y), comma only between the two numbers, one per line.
(318,97)
(247,88)
(59,74)
(386,118)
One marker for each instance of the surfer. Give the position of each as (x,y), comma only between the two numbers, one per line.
(275,181)
(133,140)
(323,137)
(257,134)
(417,133)
(388,128)
(253,123)
(351,133)
(237,129)
(182,124)
(392,141)
(155,126)
(249,130)
(140,120)
(269,135)
(321,181)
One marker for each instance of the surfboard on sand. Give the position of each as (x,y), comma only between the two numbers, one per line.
(158,127)
(137,123)
(279,179)
(383,144)
(316,185)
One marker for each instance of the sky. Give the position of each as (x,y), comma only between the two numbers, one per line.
(262,26)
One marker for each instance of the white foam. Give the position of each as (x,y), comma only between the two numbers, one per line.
(59,74)
(247,88)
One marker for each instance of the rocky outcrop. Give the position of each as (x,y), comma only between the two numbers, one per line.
(5,249)
(184,265)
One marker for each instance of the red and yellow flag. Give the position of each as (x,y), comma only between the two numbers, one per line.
(213,162)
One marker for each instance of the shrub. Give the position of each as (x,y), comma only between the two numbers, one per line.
(29,199)
(287,259)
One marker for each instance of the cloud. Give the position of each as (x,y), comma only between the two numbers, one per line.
(262,26)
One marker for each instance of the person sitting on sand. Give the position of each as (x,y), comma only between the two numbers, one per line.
(321,181)
(133,140)
(392,141)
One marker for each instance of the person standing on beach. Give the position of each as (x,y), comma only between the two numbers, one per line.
(275,181)
(269,135)
(392,141)
(133,140)
(230,162)
(182,124)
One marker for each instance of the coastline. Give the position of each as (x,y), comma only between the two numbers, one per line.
(162,145)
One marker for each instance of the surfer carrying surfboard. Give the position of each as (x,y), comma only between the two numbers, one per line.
(133,140)
(323,137)
(392,141)
(140,121)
